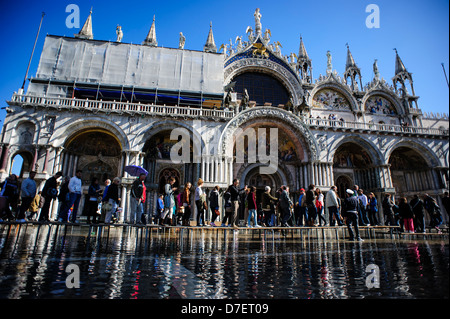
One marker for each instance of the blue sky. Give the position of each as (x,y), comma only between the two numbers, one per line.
(418,29)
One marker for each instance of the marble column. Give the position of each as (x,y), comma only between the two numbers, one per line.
(47,154)
(5,154)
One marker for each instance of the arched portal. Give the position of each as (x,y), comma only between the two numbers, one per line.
(410,172)
(157,150)
(352,166)
(95,151)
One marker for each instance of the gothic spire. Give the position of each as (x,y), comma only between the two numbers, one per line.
(304,63)
(210,45)
(151,36)
(302,54)
(86,30)
(350,61)
(352,70)
(399,66)
(401,75)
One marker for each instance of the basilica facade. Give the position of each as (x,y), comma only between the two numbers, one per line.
(99,106)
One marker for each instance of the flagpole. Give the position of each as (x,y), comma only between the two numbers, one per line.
(444,73)
(32,52)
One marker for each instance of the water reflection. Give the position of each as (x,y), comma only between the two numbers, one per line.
(134,263)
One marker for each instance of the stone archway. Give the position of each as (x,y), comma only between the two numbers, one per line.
(269,67)
(352,163)
(410,172)
(95,151)
(265,116)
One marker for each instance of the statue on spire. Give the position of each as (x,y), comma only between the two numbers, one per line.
(182,41)
(258,26)
(329,65)
(375,70)
(119,33)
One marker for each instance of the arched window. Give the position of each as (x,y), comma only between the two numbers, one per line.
(262,88)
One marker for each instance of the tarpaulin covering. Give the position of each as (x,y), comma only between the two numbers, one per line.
(124,64)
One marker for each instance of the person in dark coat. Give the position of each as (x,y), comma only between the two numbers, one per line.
(285,205)
(351,214)
(406,213)
(94,192)
(63,199)
(434,211)
(268,207)
(446,203)
(10,190)
(113,198)
(214,204)
(419,213)
(310,198)
(49,193)
(388,211)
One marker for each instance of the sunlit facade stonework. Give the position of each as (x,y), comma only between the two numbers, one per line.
(99,106)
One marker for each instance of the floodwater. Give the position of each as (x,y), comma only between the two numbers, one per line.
(141,263)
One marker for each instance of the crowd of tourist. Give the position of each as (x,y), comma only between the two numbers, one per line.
(23,201)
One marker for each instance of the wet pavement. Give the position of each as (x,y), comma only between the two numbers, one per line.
(62,261)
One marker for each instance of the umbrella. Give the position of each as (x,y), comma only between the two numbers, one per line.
(135,170)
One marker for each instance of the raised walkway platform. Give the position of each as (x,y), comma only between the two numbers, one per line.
(103,232)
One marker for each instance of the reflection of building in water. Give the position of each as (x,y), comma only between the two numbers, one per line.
(112,104)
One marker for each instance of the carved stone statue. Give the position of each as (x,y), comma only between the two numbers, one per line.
(227,99)
(375,70)
(182,41)
(249,32)
(277,48)
(119,33)
(290,105)
(258,26)
(267,35)
(230,48)
(245,99)
(239,43)
(329,65)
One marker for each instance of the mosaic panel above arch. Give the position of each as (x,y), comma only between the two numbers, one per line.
(331,99)
(377,104)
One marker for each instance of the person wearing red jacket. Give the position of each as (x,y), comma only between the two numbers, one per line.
(251,200)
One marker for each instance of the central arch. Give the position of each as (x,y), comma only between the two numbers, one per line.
(266,66)
(269,115)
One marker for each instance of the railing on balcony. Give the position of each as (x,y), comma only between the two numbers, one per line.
(114,106)
(372,127)
(182,111)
